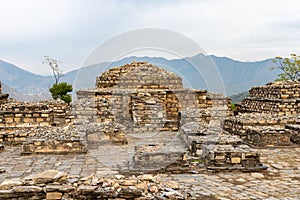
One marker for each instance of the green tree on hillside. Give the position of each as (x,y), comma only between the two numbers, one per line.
(290,67)
(58,90)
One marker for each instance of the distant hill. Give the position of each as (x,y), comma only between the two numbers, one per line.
(24,97)
(23,81)
(237,76)
(237,98)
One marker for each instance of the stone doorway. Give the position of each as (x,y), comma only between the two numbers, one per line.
(155,110)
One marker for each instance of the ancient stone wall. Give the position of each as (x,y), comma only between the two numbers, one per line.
(262,129)
(144,97)
(239,124)
(266,136)
(279,97)
(277,90)
(16,115)
(144,109)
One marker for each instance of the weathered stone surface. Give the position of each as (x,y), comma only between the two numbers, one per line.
(173,185)
(138,74)
(294,130)
(27,189)
(86,188)
(7,184)
(268,136)
(53,195)
(283,183)
(278,97)
(16,115)
(262,129)
(130,95)
(49,176)
(257,175)
(227,152)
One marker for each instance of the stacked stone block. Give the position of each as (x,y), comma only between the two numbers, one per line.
(280,98)
(268,136)
(45,139)
(262,129)
(15,115)
(231,157)
(266,112)
(143,97)
(240,123)
(148,110)
(137,75)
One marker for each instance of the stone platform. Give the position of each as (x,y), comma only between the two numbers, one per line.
(262,129)
(228,152)
(280,181)
(268,136)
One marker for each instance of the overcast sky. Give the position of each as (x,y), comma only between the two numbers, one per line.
(69,30)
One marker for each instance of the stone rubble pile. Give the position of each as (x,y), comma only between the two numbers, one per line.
(51,139)
(62,133)
(52,184)
(103,133)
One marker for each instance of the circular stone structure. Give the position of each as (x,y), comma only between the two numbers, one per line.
(138,74)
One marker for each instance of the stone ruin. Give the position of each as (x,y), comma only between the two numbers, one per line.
(143,98)
(43,127)
(3,97)
(269,116)
(138,105)
(142,114)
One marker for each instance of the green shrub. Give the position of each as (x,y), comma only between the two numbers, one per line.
(232,106)
(61,90)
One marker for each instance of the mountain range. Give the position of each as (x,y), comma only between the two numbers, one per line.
(217,74)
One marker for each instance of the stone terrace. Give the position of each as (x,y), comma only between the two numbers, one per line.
(266,112)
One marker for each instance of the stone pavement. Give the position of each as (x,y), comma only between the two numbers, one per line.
(280,181)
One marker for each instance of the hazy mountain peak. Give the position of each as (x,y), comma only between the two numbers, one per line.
(237,76)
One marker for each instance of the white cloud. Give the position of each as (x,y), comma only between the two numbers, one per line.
(70,29)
